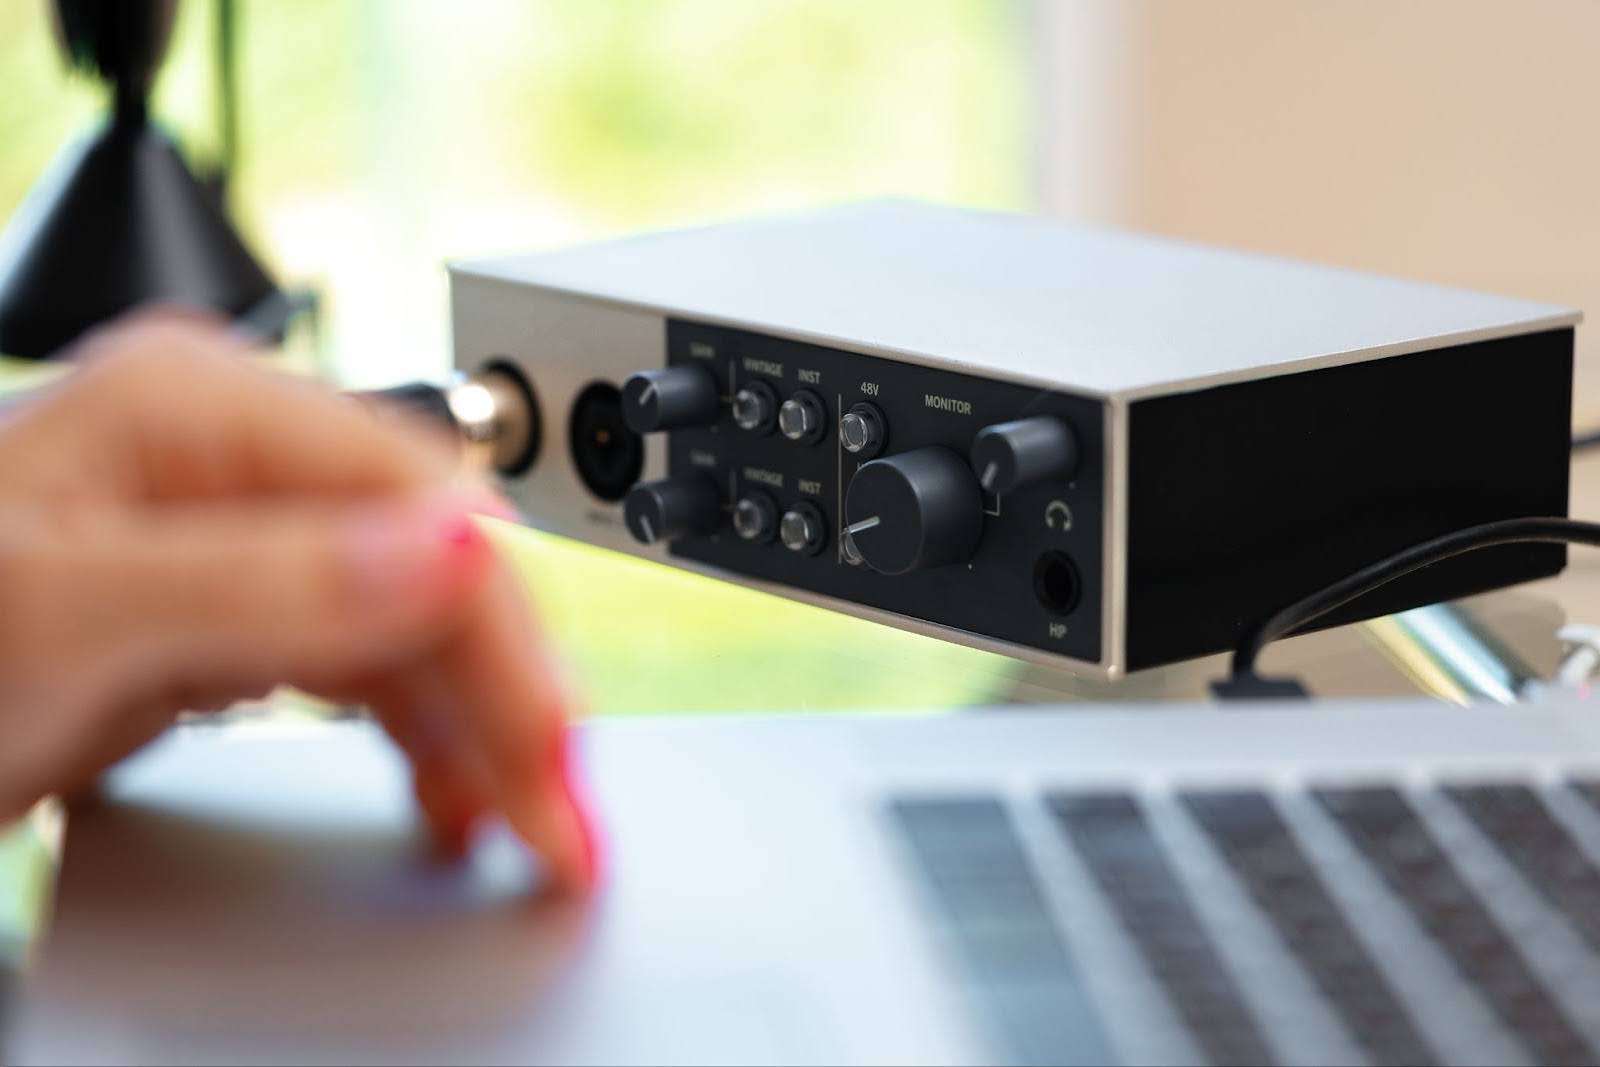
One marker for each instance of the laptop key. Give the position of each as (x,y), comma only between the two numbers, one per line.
(1111,834)
(1524,830)
(1284,885)
(1394,839)
(1588,789)
(988,900)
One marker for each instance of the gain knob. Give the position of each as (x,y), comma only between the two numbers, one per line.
(670,399)
(1010,455)
(672,508)
(916,509)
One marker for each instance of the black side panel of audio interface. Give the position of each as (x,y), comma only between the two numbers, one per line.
(1035,544)
(1244,497)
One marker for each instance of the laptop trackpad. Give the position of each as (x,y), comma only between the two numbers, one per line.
(234,900)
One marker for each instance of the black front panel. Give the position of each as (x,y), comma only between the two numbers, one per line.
(1245,497)
(1006,590)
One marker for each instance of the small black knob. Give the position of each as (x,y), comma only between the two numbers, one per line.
(672,508)
(916,509)
(671,398)
(1010,455)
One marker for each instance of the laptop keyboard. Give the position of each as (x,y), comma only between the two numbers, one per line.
(1110,832)
(1361,924)
(1393,838)
(1283,883)
(1541,848)
(991,908)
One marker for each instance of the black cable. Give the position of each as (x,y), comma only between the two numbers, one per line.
(1312,607)
(1582,442)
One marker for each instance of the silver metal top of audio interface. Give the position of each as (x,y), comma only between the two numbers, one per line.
(1092,311)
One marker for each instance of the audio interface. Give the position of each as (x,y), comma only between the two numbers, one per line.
(1094,449)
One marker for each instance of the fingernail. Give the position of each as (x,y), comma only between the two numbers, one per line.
(576,796)
(450,821)
(415,552)
(456,834)
(559,825)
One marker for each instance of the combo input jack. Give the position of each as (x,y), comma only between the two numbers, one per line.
(606,453)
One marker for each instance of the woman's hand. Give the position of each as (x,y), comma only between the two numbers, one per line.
(181,529)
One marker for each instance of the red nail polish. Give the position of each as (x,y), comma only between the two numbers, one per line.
(414,553)
(571,786)
(461,532)
(468,552)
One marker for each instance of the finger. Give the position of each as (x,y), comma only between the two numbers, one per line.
(494,673)
(451,786)
(260,593)
(166,408)
(133,722)
(482,715)
(403,591)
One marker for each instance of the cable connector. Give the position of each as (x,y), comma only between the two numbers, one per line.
(1254,687)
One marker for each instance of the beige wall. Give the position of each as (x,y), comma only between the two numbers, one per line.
(1451,140)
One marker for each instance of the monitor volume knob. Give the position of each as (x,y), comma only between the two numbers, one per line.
(1010,455)
(913,510)
(670,399)
(671,508)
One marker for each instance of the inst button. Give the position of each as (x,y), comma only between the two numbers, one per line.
(803,529)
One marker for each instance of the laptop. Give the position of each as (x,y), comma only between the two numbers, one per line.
(1380,882)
